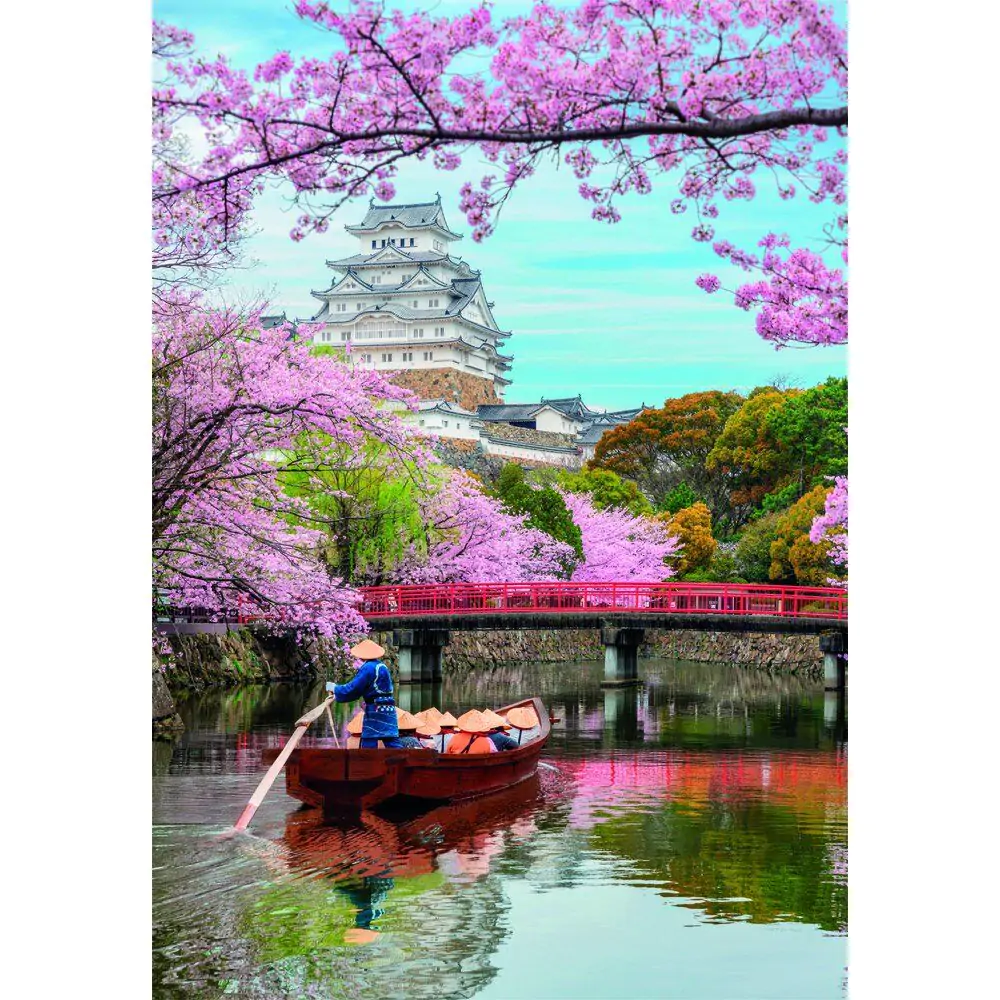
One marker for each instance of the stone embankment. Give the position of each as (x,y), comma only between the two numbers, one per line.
(761,650)
(243,656)
(469,651)
(196,662)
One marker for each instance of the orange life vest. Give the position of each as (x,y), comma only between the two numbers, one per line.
(480,744)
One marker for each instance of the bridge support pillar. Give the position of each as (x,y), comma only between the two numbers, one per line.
(833,646)
(621,655)
(420,654)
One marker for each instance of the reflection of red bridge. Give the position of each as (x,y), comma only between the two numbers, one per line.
(804,781)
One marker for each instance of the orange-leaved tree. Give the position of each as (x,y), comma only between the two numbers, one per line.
(794,558)
(663,447)
(693,525)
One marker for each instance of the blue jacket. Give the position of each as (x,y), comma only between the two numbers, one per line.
(373,683)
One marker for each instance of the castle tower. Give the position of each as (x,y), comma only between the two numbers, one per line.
(406,304)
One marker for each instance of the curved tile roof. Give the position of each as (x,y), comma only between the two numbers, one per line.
(416,215)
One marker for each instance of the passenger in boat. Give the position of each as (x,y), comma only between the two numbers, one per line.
(496,734)
(426,732)
(471,736)
(373,683)
(524,720)
(447,722)
(408,724)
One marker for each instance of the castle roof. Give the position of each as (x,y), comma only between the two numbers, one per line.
(505,412)
(409,257)
(417,215)
(445,406)
(390,301)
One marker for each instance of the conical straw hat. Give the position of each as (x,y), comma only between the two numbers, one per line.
(495,720)
(429,715)
(428,729)
(523,718)
(472,722)
(447,720)
(404,720)
(356,724)
(367,650)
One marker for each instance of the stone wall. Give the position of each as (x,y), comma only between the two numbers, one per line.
(244,656)
(468,391)
(165,717)
(510,433)
(760,650)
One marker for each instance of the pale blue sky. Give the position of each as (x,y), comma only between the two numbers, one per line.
(611,312)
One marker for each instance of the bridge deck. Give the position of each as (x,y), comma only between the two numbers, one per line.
(600,619)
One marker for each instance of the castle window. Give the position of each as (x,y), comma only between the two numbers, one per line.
(346,335)
(415,303)
(433,303)
(374,244)
(444,423)
(428,355)
(412,243)
(383,242)
(387,357)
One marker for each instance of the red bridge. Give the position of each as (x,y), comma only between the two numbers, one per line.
(422,617)
(403,606)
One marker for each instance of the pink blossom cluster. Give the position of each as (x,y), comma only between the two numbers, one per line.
(471,538)
(831,525)
(618,545)
(718,96)
(799,298)
(231,401)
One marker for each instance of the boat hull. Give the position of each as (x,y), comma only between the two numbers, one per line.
(343,781)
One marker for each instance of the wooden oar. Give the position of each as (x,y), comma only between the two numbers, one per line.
(333,727)
(265,786)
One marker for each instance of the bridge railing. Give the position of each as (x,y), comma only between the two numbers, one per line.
(583,598)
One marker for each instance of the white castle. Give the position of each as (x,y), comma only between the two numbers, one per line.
(405,303)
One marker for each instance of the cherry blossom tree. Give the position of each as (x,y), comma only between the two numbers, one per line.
(471,538)
(715,96)
(231,402)
(831,525)
(618,545)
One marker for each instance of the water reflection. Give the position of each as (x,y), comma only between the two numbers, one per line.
(720,793)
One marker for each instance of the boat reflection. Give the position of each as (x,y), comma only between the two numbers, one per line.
(458,839)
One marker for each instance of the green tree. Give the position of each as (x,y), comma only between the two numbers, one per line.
(544,508)
(753,549)
(747,451)
(723,568)
(607,490)
(365,498)
(678,498)
(811,428)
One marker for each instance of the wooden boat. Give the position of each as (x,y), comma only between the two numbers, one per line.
(347,781)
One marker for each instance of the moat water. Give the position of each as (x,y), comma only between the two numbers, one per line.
(687,839)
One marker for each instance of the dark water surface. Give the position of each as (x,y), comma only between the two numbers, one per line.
(684,840)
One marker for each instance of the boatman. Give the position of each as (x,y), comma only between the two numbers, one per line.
(373,683)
